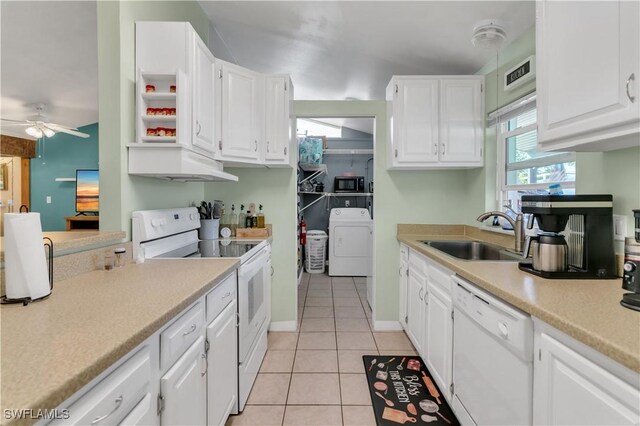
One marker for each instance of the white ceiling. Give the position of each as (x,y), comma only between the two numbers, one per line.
(49,55)
(350,49)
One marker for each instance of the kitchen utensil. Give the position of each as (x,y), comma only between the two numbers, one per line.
(427,418)
(432,408)
(397,416)
(381,386)
(413,364)
(399,366)
(386,401)
(373,362)
(433,390)
(412,409)
(382,375)
(382,364)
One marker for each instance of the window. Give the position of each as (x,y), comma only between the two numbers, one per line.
(522,169)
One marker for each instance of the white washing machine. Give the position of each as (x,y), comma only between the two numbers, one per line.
(350,242)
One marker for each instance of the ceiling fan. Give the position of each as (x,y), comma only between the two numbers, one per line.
(38,125)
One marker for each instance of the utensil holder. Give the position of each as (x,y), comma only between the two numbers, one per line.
(208,229)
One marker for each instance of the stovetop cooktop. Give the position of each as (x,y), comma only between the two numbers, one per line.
(212,248)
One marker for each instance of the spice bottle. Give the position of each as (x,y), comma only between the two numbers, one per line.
(242,217)
(260,218)
(233,220)
(248,223)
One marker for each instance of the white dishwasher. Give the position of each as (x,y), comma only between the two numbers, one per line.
(492,359)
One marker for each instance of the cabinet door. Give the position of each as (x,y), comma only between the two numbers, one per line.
(239,114)
(415,126)
(222,377)
(461,121)
(184,389)
(582,73)
(403,273)
(569,389)
(203,97)
(415,308)
(277,129)
(439,337)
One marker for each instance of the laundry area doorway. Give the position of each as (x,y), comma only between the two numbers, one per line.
(335,197)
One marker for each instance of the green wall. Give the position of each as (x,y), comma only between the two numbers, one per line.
(275,189)
(60,156)
(120,193)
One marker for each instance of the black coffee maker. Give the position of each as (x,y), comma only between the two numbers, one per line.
(631,276)
(589,236)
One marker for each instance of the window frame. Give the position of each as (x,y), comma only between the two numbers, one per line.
(502,189)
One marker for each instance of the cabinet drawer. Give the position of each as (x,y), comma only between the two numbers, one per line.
(116,395)
(141,414)
(221,296)
(418,262)
(180,335)
(440,276)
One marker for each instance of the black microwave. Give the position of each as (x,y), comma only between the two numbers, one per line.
(348,184)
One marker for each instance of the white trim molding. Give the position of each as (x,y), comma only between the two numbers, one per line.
(283,326)
(387,326)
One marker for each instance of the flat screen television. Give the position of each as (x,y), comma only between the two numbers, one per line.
(87,191)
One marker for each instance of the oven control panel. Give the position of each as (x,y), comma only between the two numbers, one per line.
(154,224)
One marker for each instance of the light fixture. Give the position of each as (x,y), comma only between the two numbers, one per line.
(489,34)
(34,131)
(48,132)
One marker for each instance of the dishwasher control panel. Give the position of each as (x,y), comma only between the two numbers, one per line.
(508,324)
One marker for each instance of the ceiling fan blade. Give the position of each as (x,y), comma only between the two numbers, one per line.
(54,126)
(15,121)
(70,132)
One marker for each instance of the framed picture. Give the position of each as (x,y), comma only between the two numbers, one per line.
(4,177)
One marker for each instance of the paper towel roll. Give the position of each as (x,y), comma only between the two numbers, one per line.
(24,257)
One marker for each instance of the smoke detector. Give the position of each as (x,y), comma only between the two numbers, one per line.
(489,34)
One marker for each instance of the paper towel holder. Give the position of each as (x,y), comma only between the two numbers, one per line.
(26,300)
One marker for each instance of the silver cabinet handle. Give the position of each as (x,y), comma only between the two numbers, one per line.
(426,301)
(237,319)
(272,271)
(191,330)
(396,153)
(220,145)
(435,146)
(267,146)
(199,128)
(400,271)
(101,418)
(256,148)
(285,150)
(206,364)
(443,149)
(629,80)
(420,293)
(227,294)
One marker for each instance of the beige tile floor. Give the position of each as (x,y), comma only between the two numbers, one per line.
(316,376)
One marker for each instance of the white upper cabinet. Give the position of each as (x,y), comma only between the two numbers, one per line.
(203,96)
(278,122)
(435,122)
(461,120)
(240,108)
(588,66)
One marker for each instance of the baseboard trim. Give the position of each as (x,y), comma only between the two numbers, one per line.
(387,326)
(283,326)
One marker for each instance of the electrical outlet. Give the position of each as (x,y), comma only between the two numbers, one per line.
(346,203)
(48,199)
(619,227)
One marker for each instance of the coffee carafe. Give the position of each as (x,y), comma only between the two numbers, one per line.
(587,249)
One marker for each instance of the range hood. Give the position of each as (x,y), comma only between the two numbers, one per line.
(175,162)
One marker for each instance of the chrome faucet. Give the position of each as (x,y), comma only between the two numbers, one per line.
(518,225)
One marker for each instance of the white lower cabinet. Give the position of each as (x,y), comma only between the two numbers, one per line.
(403,273)
(222,357)
(184,388)
(571,389)
(416,289)
(439,335)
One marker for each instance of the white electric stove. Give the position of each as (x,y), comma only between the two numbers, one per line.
(173,234)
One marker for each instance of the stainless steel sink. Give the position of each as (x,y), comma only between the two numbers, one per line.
(474,250)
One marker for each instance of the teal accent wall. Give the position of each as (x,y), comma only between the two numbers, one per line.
(60,156)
